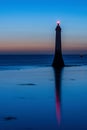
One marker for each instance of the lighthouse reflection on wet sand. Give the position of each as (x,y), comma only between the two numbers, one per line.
(58,59)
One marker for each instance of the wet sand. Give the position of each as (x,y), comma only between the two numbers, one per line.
(43,99)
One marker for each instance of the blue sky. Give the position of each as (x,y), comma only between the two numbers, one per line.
(29,25)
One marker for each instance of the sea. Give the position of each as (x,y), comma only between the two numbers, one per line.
(24,61)
(35,96)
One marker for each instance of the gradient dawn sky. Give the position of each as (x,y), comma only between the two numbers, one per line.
(28,26)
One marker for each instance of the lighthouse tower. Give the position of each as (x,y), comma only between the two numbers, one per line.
(58,60)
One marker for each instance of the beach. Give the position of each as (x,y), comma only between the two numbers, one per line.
(42,98)
(43,65)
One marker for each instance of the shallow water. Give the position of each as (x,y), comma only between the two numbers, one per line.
(43,99)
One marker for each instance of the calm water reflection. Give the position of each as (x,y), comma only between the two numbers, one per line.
(57,75)
(71,98)
(44,99)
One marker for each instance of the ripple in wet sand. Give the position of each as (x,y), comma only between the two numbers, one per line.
(27,84)
(10,118)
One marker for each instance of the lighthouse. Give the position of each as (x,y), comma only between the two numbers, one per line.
(58,59)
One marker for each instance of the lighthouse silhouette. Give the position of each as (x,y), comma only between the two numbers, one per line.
(58,59)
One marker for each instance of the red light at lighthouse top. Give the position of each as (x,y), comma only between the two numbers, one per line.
(58,22)
(58,28)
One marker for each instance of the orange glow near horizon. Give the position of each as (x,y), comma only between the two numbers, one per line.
(21,46)
(40,47)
